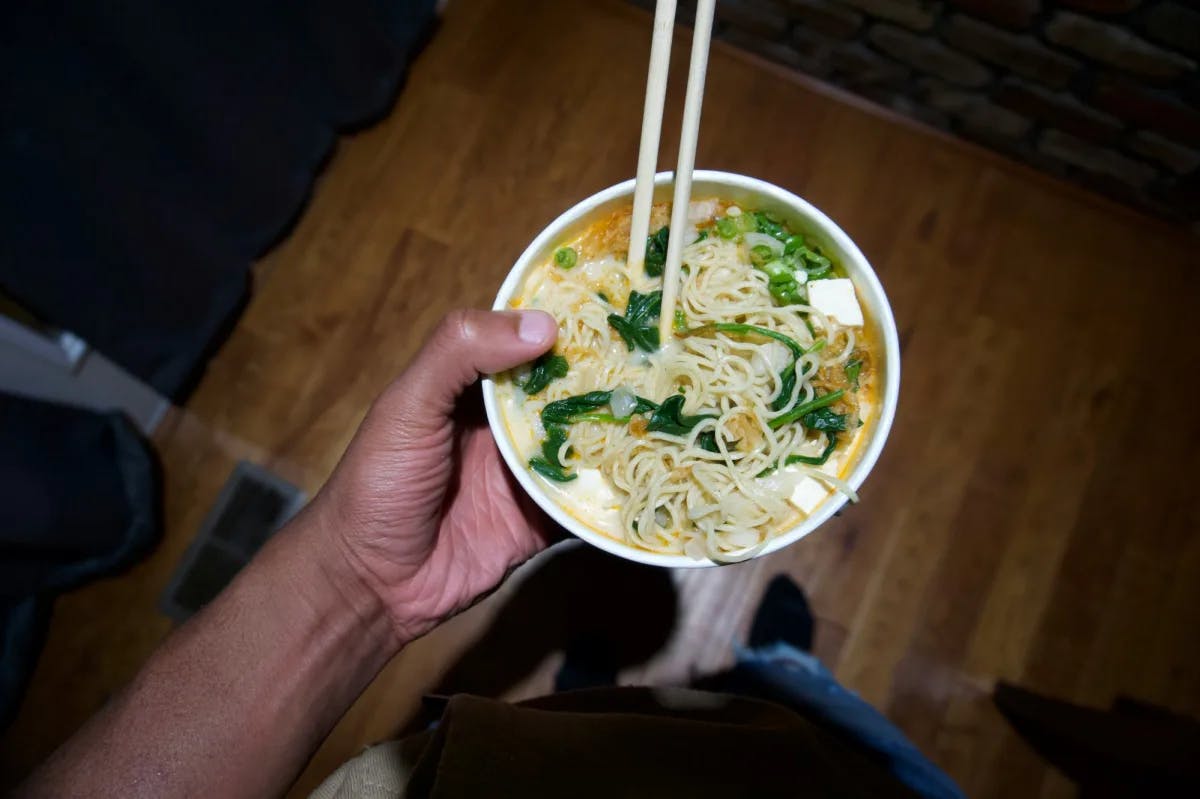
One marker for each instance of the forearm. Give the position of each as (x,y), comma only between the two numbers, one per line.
(236,700)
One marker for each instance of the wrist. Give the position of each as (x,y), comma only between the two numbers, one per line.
(328,573)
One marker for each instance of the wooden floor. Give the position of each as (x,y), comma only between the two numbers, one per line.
(1033,518)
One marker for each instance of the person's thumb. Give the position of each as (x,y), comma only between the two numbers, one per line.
(465,345)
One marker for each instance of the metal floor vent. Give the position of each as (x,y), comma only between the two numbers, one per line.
(252,505)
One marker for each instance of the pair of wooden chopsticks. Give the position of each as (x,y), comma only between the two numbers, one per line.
(652,114)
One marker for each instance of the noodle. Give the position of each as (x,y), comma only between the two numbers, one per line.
(706,493)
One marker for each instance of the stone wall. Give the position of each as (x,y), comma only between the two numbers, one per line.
(1103,92)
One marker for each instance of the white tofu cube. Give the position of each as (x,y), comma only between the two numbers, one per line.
(836,299)
(809,494)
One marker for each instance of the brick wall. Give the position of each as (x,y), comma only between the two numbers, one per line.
(1103,92)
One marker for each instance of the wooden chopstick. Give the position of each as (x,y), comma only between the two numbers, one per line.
(652,114)
(687,161)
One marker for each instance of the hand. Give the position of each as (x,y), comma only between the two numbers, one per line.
(422,506)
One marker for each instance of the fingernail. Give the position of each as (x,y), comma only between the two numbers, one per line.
(534,327)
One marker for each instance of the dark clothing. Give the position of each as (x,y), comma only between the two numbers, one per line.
(79,499)
(655,742)
(641,742)
(150,150)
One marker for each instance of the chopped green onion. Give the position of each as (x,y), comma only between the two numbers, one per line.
(776,270)
(815,264)
(768,223)
(566,257)
(727,228)
(680,321)
(793,244)
(760,254)
(786,293)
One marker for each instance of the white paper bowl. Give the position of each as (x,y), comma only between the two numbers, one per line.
(749,193)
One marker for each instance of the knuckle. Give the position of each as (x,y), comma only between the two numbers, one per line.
(457,325)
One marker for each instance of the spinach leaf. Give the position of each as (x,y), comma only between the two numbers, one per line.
(644,338)
(644,405)
(551,472)
(853,369)
(639,327)
(561,411)
(818,460)
(787,376)
(579,409)
(643,308)
(788,379)
(737,328)
(549,465)
(556,436)
(825,420)
(811,460)
(824,401)
(656,252)
(545,369)
(670,419)
(708,441)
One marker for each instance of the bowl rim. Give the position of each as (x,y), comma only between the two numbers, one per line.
(865,280)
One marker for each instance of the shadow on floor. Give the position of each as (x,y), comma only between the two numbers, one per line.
(603,612)
(1132,749)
